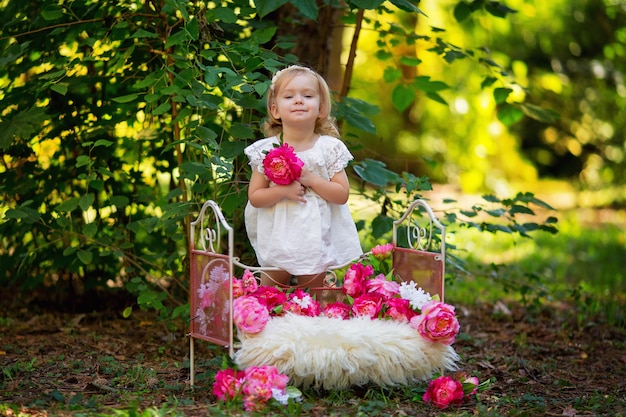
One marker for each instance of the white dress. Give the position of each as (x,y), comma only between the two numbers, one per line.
(303,238)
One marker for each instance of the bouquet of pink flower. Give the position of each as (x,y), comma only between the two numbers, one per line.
(282,166)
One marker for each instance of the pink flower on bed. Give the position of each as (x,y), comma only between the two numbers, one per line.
(282,166)
(300,302)
(227,384)
(337,310)
(270,297)
(354,279)
(382,251)
(249,315)
(399,309)
(380,285)
(249,282)
(437,323)
(368,305)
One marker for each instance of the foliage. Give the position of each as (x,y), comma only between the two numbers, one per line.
(119,119)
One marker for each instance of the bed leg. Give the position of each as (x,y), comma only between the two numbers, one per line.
(192,370)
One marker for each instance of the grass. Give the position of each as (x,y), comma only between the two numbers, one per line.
(581,264)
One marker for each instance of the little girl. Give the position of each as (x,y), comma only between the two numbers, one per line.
(304,227)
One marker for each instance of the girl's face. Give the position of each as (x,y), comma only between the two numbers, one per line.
(297,102)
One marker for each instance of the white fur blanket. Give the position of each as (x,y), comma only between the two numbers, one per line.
(332,353)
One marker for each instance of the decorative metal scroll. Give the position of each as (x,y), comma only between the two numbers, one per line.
(421,262)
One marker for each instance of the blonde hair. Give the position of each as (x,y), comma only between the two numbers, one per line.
(325,124)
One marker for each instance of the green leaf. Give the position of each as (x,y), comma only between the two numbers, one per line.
(68,205)
(407,6)
(375,172)
(461,11)
(192,28)
(500,94)
(424,84)
(509,114)
(142,33)
(86,201)
(263,36)
(381,225)
(516,208)
(22,125)
(162,108)
(127,312)
(119,201)
(540,114)
(90,229)
(366,4)
(82,160)
(307,7)
(51,12)
(176,39)
(60,88)
(85,256)
(265,7)
(402,96)
(241,131)
(125,99)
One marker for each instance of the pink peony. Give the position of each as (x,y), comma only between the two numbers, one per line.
(437,322)
(380,285)
(399,309)
(282,165)
(227,384)
(367,305)
(444,391)
(383,251)
(337,310)
(354,279)
(260,380)
(270,297)
(249,315)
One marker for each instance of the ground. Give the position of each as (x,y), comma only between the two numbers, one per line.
(538,363)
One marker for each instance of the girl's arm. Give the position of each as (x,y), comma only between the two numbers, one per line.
(334,191)
(261,195)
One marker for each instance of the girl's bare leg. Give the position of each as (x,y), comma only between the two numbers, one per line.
(275,278)
(311,282)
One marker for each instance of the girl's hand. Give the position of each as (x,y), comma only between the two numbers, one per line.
(294,191)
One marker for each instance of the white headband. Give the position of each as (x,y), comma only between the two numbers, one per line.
(291,67)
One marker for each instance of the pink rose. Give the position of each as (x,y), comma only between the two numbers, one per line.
(399,309)
(238,289)
(382,286)
(337,310)
(444,391)
(282,165)
(270,297)
(354,279)
(250,283)
(249,315)
(367,305)
(383,251)
(227,384)
(437,322)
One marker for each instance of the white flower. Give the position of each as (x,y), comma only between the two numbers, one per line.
(417,296)
(303,302)
(280,395)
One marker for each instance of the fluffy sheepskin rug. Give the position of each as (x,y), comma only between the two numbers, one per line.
(331,353)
